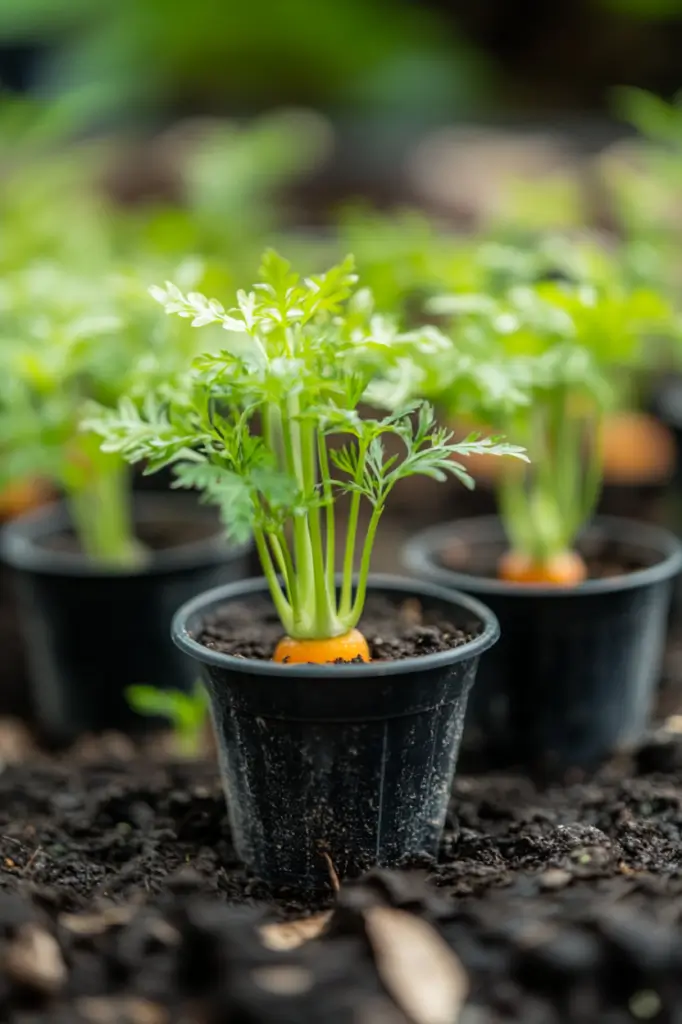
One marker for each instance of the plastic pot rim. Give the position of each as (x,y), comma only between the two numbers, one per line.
(21,547)
(420,551)
(204,603)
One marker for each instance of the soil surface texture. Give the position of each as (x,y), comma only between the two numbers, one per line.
(121,902)
(252,630)
(603,560)
(157,537)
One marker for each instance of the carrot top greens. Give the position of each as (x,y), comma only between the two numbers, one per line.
(572,341)
(269,428)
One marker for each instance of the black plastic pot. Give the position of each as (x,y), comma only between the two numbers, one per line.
(91,632)
(353,761)
(573,679)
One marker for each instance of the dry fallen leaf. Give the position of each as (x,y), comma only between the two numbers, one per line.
(673,723)
(121,1010)
(16,743)
(97,923)
(283,980)
(422,974)
(34,960)
(625,869)
(291,934)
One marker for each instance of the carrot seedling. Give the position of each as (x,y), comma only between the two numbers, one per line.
(269,430)
(569,339)
(67,340)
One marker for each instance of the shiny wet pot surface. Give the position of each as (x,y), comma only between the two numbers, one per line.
(343,766)
(572,680)
(90,632)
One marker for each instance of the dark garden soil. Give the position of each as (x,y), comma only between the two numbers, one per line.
(121,902)
(252,630)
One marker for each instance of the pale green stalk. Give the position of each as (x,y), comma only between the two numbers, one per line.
(283,607)
(306,599)
(363,573)
(351,534)
(102,516)
(328,497)
(545,507)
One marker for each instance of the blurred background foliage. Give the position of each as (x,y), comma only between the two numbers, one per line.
(126,58)
(214,127)
(446,143)
(128,61)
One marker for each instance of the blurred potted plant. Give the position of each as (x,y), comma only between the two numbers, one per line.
(98,557)
(231,187)
(407,261)
(326,733)
(76,323)
(582,604)
(44,213)
(643,176)
(642,173)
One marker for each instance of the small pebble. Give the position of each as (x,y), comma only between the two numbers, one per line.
(283,979)
(67,801)
(554,879)
(34,961)
(645,1005)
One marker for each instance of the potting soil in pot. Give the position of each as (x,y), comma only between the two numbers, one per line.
(393,632)
(119,903)
(604,559)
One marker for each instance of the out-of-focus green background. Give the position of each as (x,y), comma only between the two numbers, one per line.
(135,59)
(383,72)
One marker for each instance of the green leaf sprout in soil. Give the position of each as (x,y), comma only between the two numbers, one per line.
(567,342)
(269,429)
(186,712)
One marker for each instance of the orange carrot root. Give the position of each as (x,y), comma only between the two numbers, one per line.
(636,448)
(566,569)
(322,652)
(22,496)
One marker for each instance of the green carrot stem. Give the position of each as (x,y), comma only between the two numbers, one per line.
(324,611)
(363,572)
(282,606)
(352,529)
(328,496)
(102,517)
